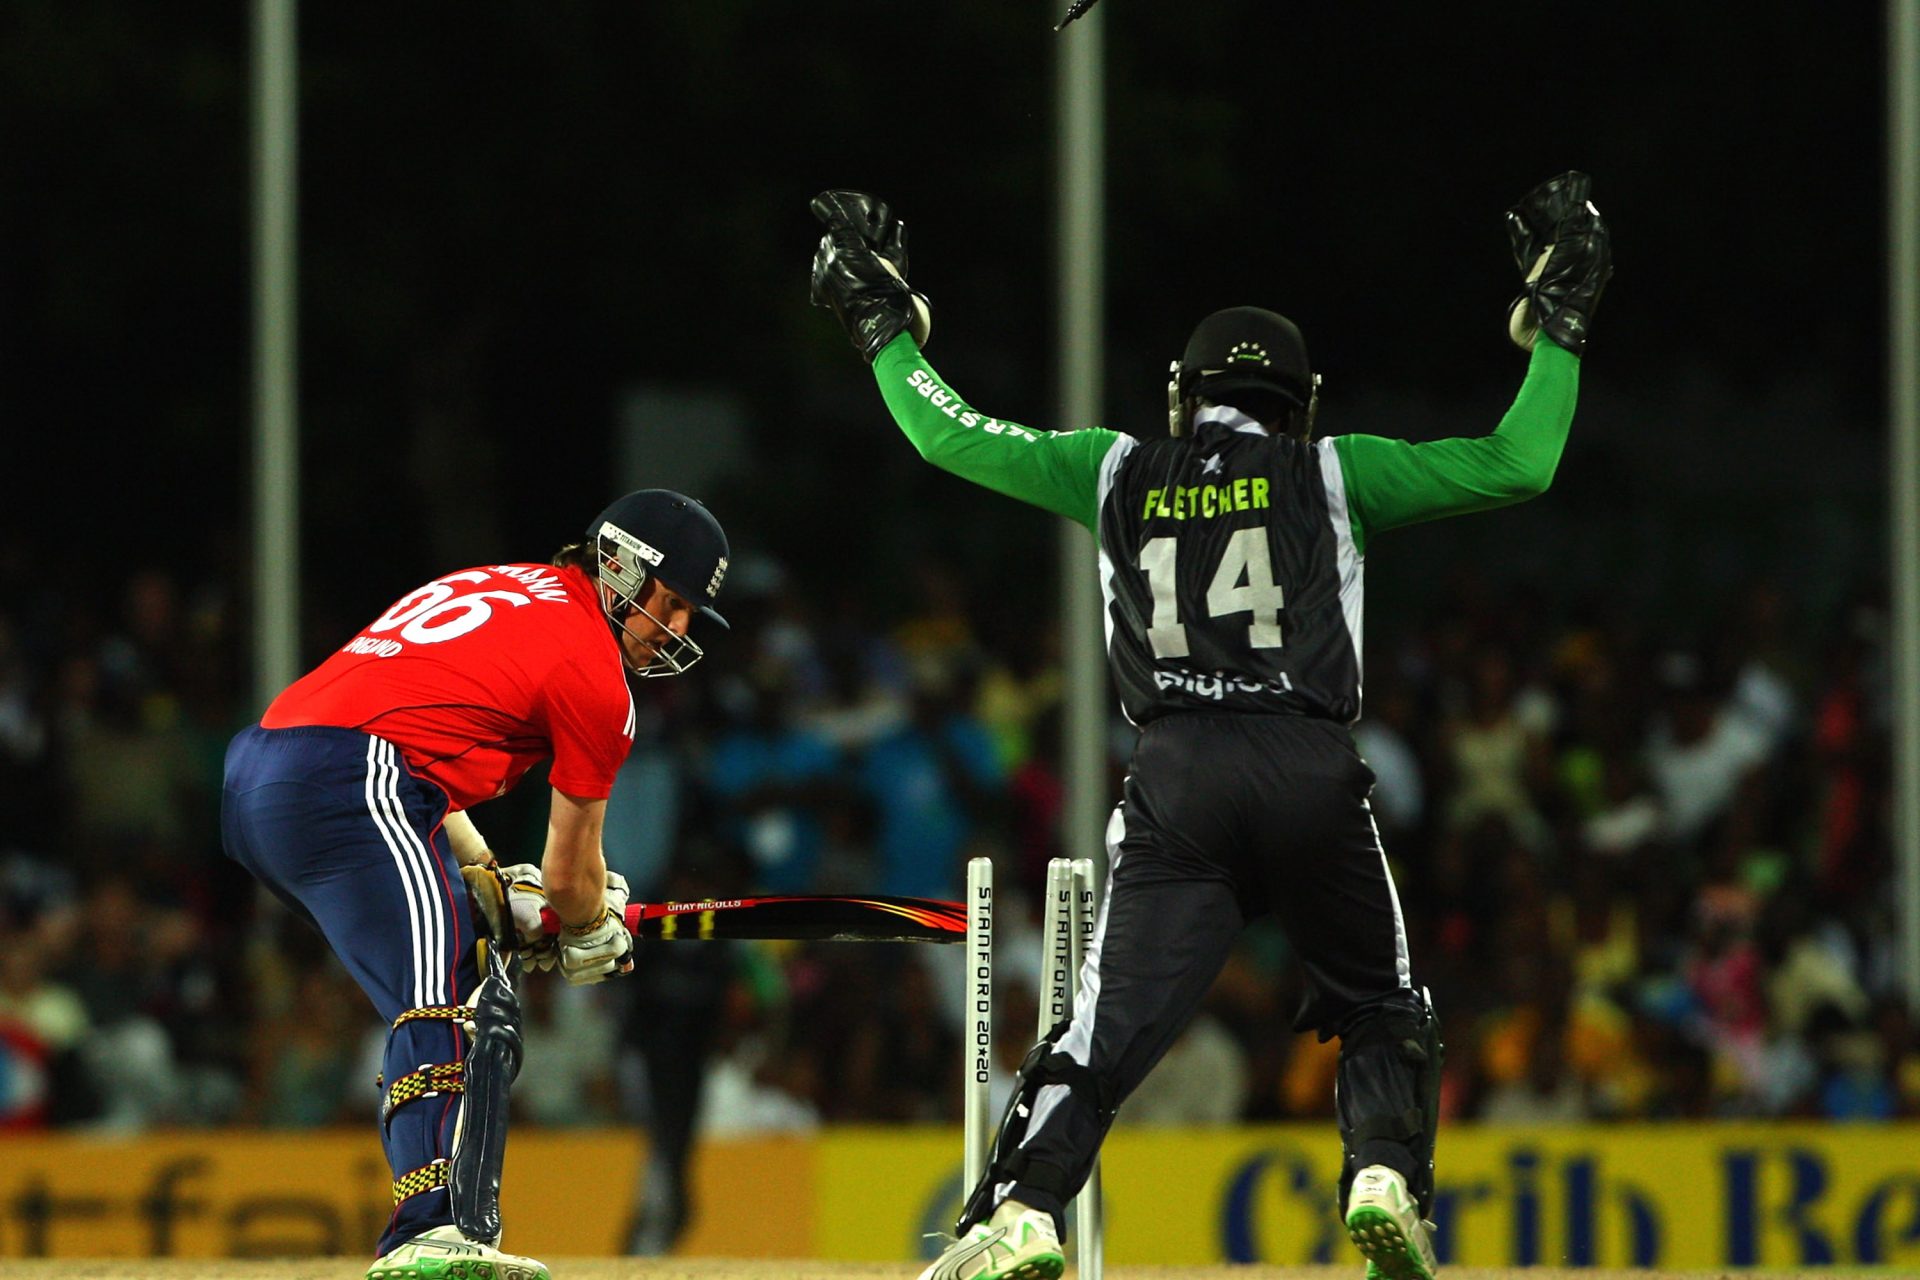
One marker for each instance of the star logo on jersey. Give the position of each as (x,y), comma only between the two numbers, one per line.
(1212,466)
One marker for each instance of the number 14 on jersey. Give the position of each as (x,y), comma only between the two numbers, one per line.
(1243,583)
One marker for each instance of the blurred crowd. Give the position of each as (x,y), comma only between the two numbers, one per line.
(1642,878)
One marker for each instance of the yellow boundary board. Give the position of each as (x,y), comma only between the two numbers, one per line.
(1671,1196)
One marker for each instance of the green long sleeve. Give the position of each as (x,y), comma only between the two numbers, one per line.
(1395,482)
(1056,470)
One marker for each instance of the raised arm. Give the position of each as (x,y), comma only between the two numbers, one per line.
(1395,482)
(1056,470)
(859,273)
(1562,250)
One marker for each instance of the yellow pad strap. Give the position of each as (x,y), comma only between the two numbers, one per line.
(439,1012)
(428,1177)
(428,1082)
(443,1012)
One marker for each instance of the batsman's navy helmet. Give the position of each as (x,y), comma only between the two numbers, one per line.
(1244,349)
(662,534)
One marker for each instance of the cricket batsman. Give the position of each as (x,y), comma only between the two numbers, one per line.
(350,800)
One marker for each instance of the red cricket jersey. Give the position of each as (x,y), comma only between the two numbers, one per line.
(478,675)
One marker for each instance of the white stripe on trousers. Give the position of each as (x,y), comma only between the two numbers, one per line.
(422,907)
(434,986)
(1402,965)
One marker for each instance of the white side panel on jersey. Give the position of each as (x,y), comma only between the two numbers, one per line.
(1109,471)
(1078,1042)
(1350,564)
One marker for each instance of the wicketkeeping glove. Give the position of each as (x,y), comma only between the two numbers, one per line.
(860,269)
(1565,256)
(591,951)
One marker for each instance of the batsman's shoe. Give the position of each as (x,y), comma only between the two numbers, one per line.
(444,1254)
(1016,1243)
(1385,1223)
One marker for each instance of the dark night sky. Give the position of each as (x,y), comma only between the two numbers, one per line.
(512,213)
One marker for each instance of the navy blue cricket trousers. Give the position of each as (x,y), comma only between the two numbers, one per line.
(334,823)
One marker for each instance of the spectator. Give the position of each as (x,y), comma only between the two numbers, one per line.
(1623,825)
(1022,685)
(772,775)
(1701,752)
(28,800)
(307,1078)
(1399,795)
(929,782)
(1201,1081)
(1037,796)
(46,1026)
(1492,758)
(1547,1092)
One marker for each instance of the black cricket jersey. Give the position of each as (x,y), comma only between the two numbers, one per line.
(1230,578)
(1231,560)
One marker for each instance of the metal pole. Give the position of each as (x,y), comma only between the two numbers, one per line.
(276,459)
(1903,405)
(1081,133)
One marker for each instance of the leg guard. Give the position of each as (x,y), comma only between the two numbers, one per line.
(480,1135)
(429,1080)
(1387,1092)
(1007,1162)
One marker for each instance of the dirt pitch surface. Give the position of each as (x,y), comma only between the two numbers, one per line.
(757,1269)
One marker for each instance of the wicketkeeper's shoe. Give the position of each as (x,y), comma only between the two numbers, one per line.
(1016,1243)
(444,1254)
(1384,1221)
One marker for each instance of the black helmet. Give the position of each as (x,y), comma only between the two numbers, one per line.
(1244,349)
(666,535)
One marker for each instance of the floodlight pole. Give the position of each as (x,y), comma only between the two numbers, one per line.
(1903,410)
(1081,242)
(276,456)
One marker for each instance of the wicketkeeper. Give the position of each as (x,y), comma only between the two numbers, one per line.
(349,801)
(1231,561)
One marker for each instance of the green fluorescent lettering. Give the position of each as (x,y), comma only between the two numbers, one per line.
(1208,496)
(1153,496)
(1259,492)
(1240,494)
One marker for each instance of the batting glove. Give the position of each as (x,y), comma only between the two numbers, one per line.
(526,898)
(603,946)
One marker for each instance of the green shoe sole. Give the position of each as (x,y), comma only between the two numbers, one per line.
(449,1269)
(1043,1266)
(1390,1255)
